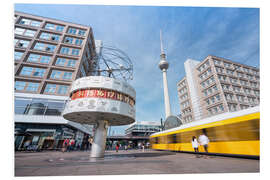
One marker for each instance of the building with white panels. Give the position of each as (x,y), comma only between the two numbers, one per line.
(217,85)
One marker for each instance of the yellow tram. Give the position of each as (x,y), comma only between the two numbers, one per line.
(232,133)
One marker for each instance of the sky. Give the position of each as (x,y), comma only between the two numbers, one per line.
(188,33)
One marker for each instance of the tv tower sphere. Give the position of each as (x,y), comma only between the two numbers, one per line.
(163,65)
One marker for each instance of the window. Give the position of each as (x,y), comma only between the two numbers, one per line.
(45,59)
(21,43)
(35,23)
(212,79)
(26,71)
(72,31)
(30,22)
(78,41)
(29,33)
(19,31)
(203,84)
(38,72)
(44,47)
(221,107)
(17,55)
(81,32)
(69,40)
(30,71)
(213,99)
(50,88)
(228,65)
(25,32)
(33,87)
(21,105)
(64,50)
(49,36)
(60,62)
(67,75)
(205,92)
(56,74)
(246,70)
(240,74)
(49,26)
(208,102)
(218,97)
(59,28)
(28,86)
(39,58)
(33,58)
(65,62)
(217,62)
(62,89)
(39,46)
(232,107)
(75,52)
(71,63)
(50,48)
(20,85)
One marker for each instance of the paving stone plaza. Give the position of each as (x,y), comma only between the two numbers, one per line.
(131,162)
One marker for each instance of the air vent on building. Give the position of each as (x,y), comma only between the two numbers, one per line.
(53,38)
(20,44)
(48,49)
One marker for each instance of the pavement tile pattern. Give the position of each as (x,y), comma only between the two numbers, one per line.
(131,162)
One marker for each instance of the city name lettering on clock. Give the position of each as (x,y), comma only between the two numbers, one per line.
(103,93)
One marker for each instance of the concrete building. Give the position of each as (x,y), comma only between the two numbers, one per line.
(217,85)
(49,55)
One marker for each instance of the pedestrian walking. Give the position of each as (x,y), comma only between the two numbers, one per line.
(64,145)
(117,147)
(195,146)
(204,141)
(68,145)
(142,147)
(72,144)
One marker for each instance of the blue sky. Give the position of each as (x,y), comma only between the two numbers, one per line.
(188,32)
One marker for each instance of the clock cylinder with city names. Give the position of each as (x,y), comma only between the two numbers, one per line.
(95,98)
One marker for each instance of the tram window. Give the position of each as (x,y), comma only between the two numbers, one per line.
(186,136)
(171,138)
(242,131)
(162,139)
(157,140)
(174,138)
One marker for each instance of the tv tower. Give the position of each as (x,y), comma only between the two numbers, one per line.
(164,65)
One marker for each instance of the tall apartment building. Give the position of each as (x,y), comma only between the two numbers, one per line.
(49,55)
(217,85)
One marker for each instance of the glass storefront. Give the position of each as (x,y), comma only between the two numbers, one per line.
(44,136)
(36,106)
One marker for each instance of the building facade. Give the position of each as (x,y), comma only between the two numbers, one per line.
(49,55)
(217,85)
(143,128)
